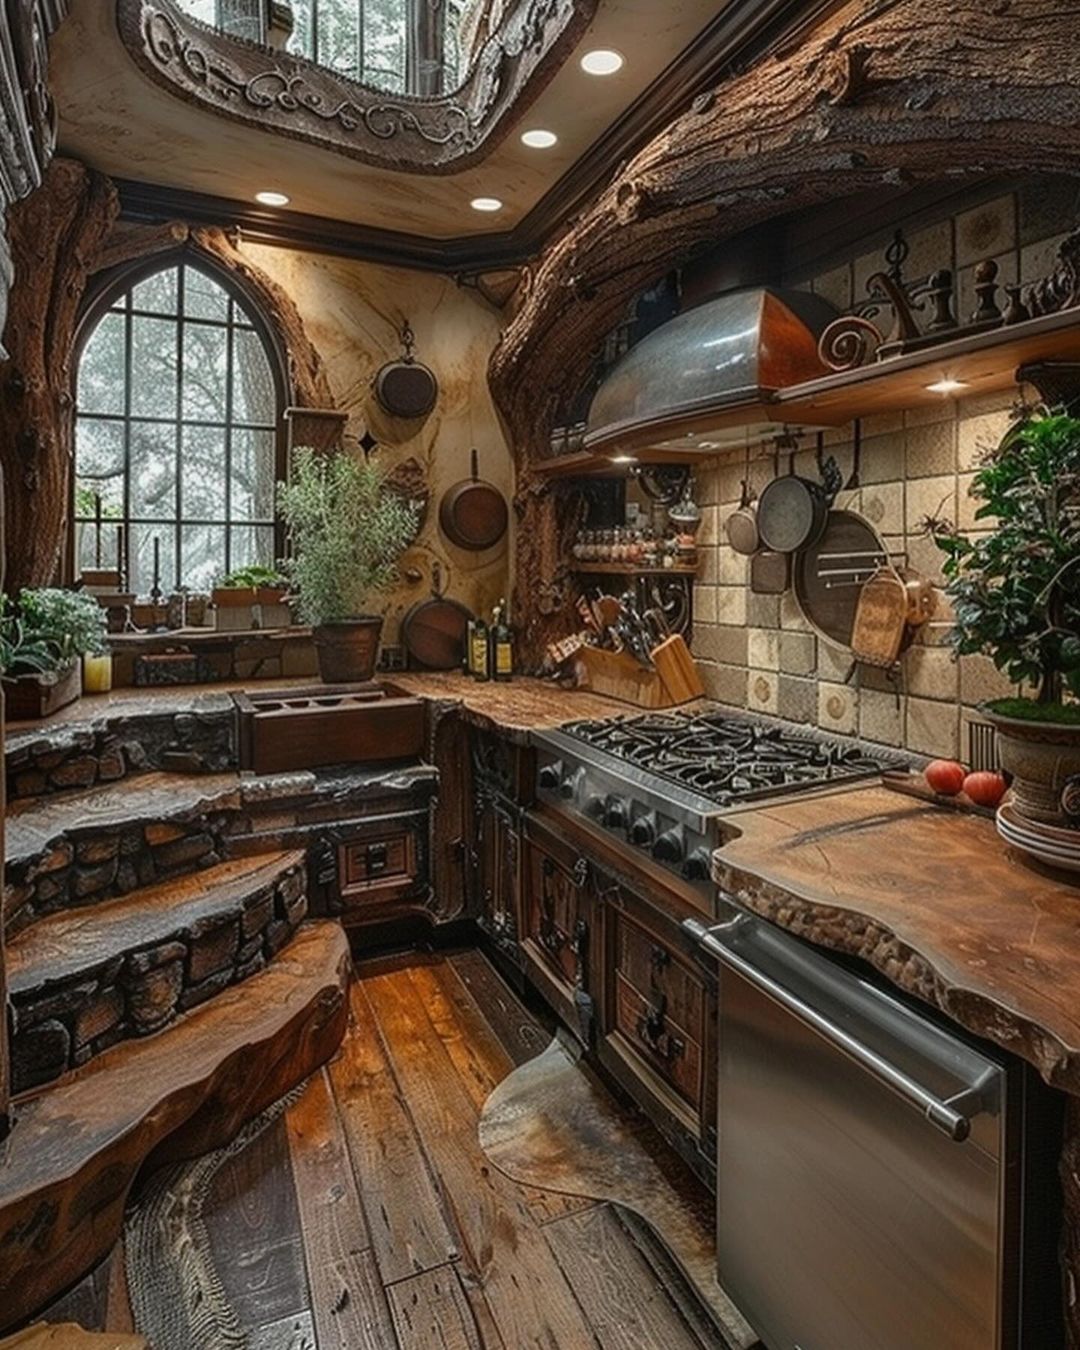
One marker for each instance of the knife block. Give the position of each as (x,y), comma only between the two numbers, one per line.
(672,679)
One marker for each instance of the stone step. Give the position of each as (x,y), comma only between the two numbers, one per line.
(82,847)
(118,736)
(81,980)
(69,1161)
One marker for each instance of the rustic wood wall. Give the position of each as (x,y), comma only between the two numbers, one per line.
(882,94)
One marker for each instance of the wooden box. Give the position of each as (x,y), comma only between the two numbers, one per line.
(284,730)
(32,696)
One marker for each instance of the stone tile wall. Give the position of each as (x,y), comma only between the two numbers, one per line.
(757,651)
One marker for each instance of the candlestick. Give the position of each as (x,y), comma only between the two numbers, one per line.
(155,590)
(120,568)
(97,530)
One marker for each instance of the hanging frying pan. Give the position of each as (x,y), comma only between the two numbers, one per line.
(793,511)
(741,526)
(433,631)
(473,513)
(406,388)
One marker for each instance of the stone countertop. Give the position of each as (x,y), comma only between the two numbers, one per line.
(933,899)
(515,708)
(520,706)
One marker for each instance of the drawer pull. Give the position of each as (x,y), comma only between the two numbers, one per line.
(376,858)
(652,1030)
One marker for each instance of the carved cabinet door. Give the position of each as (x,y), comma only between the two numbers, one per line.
(558,913)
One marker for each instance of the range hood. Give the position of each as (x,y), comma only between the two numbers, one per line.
(706,379)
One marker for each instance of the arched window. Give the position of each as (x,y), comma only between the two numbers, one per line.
(176,435)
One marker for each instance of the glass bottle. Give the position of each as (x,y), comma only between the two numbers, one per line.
(502,645)
(480,650)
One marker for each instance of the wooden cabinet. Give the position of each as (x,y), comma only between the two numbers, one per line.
(372,871)
(558,917)
(657,1017)
(501,788)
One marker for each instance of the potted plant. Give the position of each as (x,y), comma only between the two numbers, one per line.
(43,636)
(1016,593)
(266,587)
(346,532)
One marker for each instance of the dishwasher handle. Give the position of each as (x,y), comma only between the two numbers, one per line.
(950,1115)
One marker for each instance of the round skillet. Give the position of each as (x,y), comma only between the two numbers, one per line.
(830,609)
(433,631)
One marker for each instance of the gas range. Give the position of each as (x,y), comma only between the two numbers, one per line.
(659,780)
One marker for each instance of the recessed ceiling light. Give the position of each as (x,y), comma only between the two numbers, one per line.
(946,386)
(624,459)
(603,61)
(539,139)
(486,204)
(271,199)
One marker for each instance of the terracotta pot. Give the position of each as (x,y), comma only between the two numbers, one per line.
(1043,759)
(347,650)
(232,597)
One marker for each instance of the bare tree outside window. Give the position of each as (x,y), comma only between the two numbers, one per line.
(177,409)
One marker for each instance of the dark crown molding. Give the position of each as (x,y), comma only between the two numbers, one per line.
(738,35)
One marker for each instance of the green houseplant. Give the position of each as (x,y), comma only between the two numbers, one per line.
(346,531)
(1016,595)
(43,636)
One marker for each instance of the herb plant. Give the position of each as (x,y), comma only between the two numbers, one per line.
(346,531)
(47,629)
(1016,590)
(256,575)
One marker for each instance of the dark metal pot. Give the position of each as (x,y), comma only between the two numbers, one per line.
(792,513)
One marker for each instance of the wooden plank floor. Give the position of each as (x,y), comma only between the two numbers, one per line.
(368,1218)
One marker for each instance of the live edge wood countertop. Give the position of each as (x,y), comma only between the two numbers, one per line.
(933,899)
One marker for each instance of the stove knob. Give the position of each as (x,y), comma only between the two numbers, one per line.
(643,830)
(698,867)
(670,846)
(617,813)
(569,785)
(550,775)
(595,806)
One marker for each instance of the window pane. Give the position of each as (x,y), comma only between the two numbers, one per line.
(205,369)
(252,545)
(254,398)
(99,448)
(142,557)
(101,369)
(385,23)
(202,467)
(153,471)
(203,297)
(185,456)
(153,367)
(203,562)
(157,293)
(253,475)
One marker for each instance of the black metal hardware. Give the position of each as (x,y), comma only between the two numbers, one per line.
(652,1030)
(375,859)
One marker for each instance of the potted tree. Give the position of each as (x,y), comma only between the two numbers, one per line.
(346,531)
(44,635)
(1016,593)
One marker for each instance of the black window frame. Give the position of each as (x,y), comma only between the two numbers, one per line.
(111,288)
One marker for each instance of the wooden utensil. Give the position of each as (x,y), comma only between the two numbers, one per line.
(473,513)
(675,666)
(433,631)
(880,619)
(921,597)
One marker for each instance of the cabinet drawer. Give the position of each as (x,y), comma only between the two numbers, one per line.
(648,966)
(371,869)
(655,1035)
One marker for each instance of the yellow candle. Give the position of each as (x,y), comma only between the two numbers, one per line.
(97,674)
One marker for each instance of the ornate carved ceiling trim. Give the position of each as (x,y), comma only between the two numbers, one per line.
(295,97)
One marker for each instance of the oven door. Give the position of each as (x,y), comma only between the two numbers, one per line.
(860,1168)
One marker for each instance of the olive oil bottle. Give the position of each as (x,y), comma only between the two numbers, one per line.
(502,645)
(479,649)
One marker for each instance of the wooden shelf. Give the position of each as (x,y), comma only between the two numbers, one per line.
(598,569)
(984,362)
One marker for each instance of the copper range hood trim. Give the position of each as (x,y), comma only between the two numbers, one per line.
(671,385)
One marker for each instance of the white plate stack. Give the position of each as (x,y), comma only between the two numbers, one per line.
(1054,845)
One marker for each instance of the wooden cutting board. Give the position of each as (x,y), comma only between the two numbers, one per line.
(880,620)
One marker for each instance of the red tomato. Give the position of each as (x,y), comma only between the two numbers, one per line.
(985,789)
(945,776)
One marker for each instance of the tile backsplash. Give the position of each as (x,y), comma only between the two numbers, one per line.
(758,651)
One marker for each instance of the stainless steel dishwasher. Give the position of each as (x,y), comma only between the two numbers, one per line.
(882,1183)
